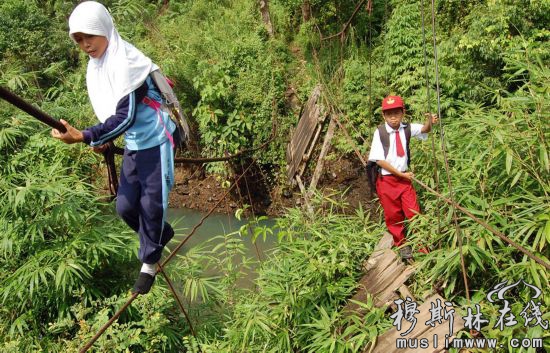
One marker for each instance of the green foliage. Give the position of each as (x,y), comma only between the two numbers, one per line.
(60,246)
(300,288)
(54,238)
(501,176)
(231,76)
(40,40)
(473,52)
(150,326)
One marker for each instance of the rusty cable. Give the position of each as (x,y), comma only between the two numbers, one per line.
(120,151)
(429,110)
(160,266)
(175,294)
(30,109)
(447,168)
(109,323)
(486,226)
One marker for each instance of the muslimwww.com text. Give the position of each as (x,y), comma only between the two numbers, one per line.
(460,343)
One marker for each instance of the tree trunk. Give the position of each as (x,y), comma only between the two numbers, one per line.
(306,10)
(264,9)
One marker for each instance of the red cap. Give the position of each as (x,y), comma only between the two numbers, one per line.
(391,102)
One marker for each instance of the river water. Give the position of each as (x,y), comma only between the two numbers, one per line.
(209,235)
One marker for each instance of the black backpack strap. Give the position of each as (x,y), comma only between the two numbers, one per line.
(384,138)
(407,141)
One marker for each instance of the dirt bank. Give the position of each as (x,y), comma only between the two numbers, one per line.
(202,192)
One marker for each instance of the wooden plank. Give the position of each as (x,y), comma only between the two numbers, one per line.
(384,277)
(394,278)
(385,242)
(321,161)
(308,129)
(314,125)
(304,194)
(311,146)
(303,133)
(387,342)
(305,130)
(382,297)
(404,291)
(385,260)
(375,274)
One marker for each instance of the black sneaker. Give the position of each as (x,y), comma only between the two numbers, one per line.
(143,283)
(406,252)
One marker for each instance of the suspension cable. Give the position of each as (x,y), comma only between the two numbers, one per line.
(385,41)
(159,267)
(429,110)
(369,9)
(442,135)
(109,323)
(486,226)
(465,211)
(176,296)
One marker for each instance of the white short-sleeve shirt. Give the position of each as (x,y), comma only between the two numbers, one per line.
(377,150)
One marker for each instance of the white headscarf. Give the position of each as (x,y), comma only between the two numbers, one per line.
(122,68)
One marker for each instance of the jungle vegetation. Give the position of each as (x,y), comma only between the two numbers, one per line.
(66,261)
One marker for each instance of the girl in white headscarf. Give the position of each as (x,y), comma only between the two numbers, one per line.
(127,102)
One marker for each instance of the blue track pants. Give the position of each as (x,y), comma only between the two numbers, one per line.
(146,178)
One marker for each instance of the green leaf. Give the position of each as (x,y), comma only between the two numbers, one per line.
(509,158)
(543,152)
(516,178)
(547,231)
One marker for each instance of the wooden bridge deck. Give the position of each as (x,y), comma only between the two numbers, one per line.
(380,280)
(384,280)
(433,337)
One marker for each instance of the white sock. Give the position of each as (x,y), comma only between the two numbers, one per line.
(149,269)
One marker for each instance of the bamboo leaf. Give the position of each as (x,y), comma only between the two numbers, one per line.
(547,232)
(543,152)
(516,177)
(509,159)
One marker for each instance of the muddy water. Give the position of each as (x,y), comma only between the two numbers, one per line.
(183,220)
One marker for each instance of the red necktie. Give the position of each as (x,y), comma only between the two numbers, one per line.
(399,145)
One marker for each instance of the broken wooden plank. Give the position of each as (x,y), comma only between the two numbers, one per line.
(382,297)
(302,134)
(321,161)
(388,257)
(308,127)
(421,335)
(381,281)
(309,208)
(383,276)
(404,291)
(385,243)
(307,155)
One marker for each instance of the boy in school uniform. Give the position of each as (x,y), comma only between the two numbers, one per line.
(394,184)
